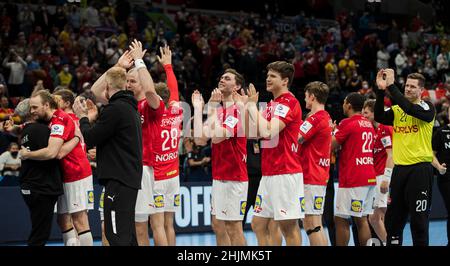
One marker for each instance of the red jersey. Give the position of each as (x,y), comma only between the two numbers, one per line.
(356,137)
(76,120)
(165,143)
(279,154)
(150,125)
(229,157)
(316,148)
(383,141)
(75,165)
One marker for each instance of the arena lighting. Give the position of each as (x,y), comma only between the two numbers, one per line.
(374,1)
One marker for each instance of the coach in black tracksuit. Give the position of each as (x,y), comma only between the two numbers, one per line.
(441,146)
(40,181)
(117,135)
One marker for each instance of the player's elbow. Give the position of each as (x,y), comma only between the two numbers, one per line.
(52,154)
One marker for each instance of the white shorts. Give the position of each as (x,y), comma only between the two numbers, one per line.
(78,196)
(228,200)
(380,200)
(356,201)
(279,197)
(100,204)
(144,199)
(166,195)
(312,203)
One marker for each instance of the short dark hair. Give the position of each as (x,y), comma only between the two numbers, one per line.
(370,103)
(319,89)
(419,77)
(67,95)
(238,77)
(46,97)
(285,69)
(356,100)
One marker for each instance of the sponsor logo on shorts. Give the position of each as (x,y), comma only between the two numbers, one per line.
(258,203)
(357,205)
(159,201)
(318,203)
(243,206)
(90,195)
(176,200)
(102,198)
(302,203)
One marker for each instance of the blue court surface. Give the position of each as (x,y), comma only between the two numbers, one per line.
(438,237)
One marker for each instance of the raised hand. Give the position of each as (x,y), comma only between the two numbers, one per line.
(79,107)
(381,80)
(197,99)
(390,76)
(8,126)
(136,50)
(216,96)
(241,98)
(166,55)
(126,60)
(252,94)
(92,110)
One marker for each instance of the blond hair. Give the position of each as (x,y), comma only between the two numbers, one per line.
(116,77)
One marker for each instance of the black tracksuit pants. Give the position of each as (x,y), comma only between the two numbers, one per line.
(410,194)
(41,213)
(119,212)
(443,183)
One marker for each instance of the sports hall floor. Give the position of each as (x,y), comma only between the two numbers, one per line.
(438,237)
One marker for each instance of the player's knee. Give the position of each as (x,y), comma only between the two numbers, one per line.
(287,227)
(258,227)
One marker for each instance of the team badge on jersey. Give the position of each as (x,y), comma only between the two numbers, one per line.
(281,110)
(302,203)
(231,121)
(243,206)
(90,195)
(386,141)
(357,205)
(258,203)
(176,201)
(305,127)
(159,201)
(318,203)
(57,130)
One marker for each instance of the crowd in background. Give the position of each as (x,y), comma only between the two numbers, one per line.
(67,46)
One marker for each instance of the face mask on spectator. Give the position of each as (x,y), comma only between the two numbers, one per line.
(85,63)
(14,154)
(66,69)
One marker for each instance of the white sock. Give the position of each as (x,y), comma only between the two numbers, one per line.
(86,238)
(70,238)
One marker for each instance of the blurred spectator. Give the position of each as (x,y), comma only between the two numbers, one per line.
(5,111)
(10,162)
(84,74)
(17,68)
(91,15)
(197,162)
(401,62)
(26,19)
(347,65)
(383,57)
(65,77)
